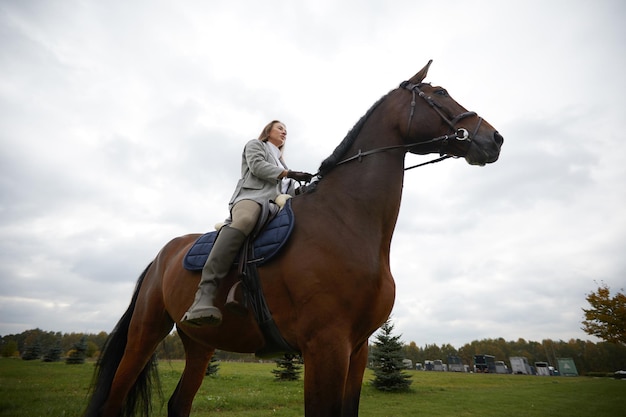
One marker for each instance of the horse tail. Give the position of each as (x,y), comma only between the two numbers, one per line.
(139,397)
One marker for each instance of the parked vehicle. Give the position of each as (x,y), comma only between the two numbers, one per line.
(567,367)
(484,364)
(501,368)
(520,365)
(542,368)
(455,364)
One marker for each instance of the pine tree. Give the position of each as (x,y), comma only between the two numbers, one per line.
(289,368)
(32,352)
(213,367)
(78,353)
(54,353)
(387,360)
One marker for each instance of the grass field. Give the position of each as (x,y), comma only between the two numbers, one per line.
(37,389)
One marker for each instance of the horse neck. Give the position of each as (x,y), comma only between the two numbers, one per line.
(369,191)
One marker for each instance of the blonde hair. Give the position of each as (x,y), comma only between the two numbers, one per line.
(265,133)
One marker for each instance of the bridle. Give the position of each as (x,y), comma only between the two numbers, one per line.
(460,134)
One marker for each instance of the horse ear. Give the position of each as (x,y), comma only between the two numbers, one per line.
(419,77)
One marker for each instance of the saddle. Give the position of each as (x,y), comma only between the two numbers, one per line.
(270,235)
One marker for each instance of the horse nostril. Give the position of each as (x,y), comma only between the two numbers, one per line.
(498,138)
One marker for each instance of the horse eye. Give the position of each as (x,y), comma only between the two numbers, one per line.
(441,92)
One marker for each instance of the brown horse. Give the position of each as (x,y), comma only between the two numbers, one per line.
(328,289)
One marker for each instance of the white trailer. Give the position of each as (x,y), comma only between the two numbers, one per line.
(501,368)
(455,364)
(542,368)
(520,365)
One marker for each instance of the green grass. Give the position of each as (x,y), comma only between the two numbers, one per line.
(37,389)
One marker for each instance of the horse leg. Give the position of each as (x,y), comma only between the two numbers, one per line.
(149,325)
(132,364)
(325,371)
(196,361)
(352,393)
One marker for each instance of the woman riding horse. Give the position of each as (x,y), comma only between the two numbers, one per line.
(328,289)
(264,175)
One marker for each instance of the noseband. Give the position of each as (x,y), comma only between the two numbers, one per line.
(460,134)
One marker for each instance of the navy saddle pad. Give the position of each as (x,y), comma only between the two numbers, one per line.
(265,246)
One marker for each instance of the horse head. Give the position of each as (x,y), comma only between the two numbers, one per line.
(456,131)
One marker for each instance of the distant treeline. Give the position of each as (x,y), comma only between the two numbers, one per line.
(589,357)
(16,345)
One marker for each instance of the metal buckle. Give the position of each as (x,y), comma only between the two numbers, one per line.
(462,134)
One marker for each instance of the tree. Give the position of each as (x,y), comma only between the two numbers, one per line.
(9,348)
(606,319)
(53,354)
(212,367)
(387,360)
(32,351)
(78,353)
(289,368)
(413,352)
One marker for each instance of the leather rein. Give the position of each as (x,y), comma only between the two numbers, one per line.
(460,134)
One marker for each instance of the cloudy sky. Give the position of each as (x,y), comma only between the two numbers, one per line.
(122,124)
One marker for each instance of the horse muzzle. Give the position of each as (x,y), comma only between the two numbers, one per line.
(484,151)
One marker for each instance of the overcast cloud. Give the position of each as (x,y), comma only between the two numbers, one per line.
(110,113)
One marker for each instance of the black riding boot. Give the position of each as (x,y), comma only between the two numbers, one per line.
(227,244)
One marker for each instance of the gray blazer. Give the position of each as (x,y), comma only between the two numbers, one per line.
(259,175)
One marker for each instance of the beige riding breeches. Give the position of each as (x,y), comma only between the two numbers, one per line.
(245,214)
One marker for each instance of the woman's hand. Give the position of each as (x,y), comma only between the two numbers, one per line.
(299,176)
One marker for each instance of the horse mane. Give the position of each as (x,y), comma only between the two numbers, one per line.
(329,163)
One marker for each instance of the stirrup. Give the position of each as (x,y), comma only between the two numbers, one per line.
(232,302)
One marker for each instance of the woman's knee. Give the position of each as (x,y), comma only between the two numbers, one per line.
(245,215)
